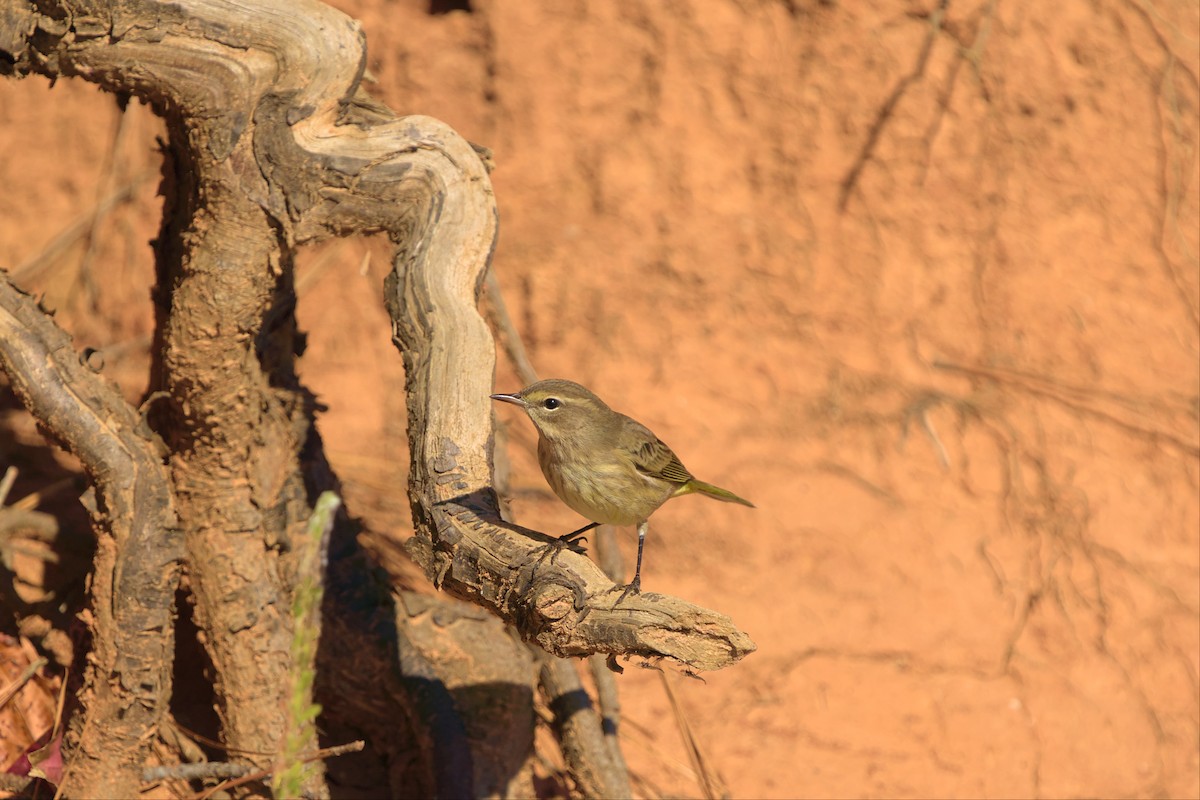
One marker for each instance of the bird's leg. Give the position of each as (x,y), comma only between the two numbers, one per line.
(568,541)
(572,540)
(635,586)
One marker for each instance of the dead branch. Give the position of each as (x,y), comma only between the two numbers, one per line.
(320,166)
(608,556)
(593,765)
(468,650)
(128,681)
(512,342)
(461,541)
(564,603)
(274,145)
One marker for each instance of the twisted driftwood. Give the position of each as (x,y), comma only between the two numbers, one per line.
(273,145)
(462,543)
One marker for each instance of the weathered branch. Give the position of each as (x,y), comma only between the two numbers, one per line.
(273,145)
(487,677)
(128,682)
(609,558)
(325,163)
(565,602)
(449,357)
(593,765)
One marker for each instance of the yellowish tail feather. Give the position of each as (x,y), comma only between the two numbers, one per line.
(715,492)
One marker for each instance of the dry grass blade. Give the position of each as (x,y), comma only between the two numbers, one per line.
(514,346)
(34,266)
(710,781)
(6,483)
(31,500)
(10,691)
(647,742)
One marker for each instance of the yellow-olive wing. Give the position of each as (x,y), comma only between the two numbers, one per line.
(650,456)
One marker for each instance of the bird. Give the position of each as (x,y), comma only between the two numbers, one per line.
(607,467)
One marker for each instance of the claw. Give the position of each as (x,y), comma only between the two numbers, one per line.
(554,549)
(568,541)
(572,540)
(633,587)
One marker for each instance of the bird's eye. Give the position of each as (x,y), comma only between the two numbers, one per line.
(551,403)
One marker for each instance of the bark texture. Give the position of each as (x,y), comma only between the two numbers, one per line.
(128,682)
(273,145)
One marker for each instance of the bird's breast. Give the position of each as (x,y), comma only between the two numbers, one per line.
(597,484)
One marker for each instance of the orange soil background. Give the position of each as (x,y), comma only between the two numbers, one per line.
(919,280)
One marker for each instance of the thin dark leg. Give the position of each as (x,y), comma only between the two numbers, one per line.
(568,541)
(576,536)
(637,572)
(635,586)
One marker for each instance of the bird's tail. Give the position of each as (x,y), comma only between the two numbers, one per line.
(715,492)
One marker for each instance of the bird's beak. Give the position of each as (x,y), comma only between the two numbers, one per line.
(515,399)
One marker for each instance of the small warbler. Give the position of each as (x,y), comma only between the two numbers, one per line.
(607,467)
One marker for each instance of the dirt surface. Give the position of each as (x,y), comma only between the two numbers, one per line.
(921,281)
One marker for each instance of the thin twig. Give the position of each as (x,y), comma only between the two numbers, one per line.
(203,770)
(61,703)
(588,756)
(514,347)
(213,743)
(320,755)
(867,152)
(6,484)
(608,556)
(609,700)
(109,171)
(1045,387)
(10,691)
(35,265)
(34,499)
(710,782)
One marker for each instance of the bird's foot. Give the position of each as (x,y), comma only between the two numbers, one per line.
(633,587)
(573,541)
(568,541)
(554,549)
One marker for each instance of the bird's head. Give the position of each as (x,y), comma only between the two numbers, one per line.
(559,408)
